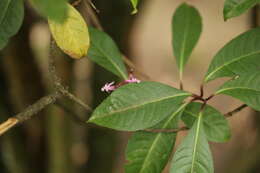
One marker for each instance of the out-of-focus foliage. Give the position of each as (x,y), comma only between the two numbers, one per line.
(71,35)
(11,18)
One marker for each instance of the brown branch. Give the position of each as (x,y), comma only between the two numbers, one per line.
(57,80)
(167,130)
(29,112)
(238,109)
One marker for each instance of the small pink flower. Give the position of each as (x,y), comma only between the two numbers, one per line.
(132,79)
(108,87)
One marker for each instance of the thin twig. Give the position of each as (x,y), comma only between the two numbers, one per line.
(238,109)
(57,80)
(29,112)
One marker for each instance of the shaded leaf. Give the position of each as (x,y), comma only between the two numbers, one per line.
(72,35)
(193,154)
(245,88)
(104,51)
(53,9)
(11,18)
(137,106)
(186,30)
(241,55)
(233,8)
(134,4)
(149,152)
(215,124)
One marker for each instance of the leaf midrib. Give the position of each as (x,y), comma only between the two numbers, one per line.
(159,136)
(194,153)
(136,106)
(183,44)
(114,64)
(235,88)
(230,62)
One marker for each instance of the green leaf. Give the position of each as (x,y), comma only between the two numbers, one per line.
(137,106)
(233,8)
(193,154)
(104,52)
(52,9)
(149,152)
(245,88)
(72,35)
(186,30)
(134,4)
(241,55)
(216,126)
(11,18)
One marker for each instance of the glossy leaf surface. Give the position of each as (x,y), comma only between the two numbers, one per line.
(104,51)
(193,155)
(246,88)
(137,106)
(149,152)
(240,56)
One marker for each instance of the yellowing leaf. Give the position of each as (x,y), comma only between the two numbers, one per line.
(72,35)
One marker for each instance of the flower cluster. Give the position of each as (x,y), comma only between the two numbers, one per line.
(109,87)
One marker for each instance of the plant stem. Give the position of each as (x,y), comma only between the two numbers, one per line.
(29,112)
(238,109)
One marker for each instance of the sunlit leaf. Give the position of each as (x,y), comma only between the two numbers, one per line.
(137,106)
(215,125)
(53,9)
(149,152)
(246,88)
(11,18)
(186,30)
(134,4)
(241,55)
(233,8)
(72,35)
(104,51)
(193,154)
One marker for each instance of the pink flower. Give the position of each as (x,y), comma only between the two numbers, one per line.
(108,87)
(132,79)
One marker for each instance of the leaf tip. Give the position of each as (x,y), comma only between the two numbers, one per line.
(134,11)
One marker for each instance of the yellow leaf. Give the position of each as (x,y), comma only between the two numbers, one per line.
(72,35)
